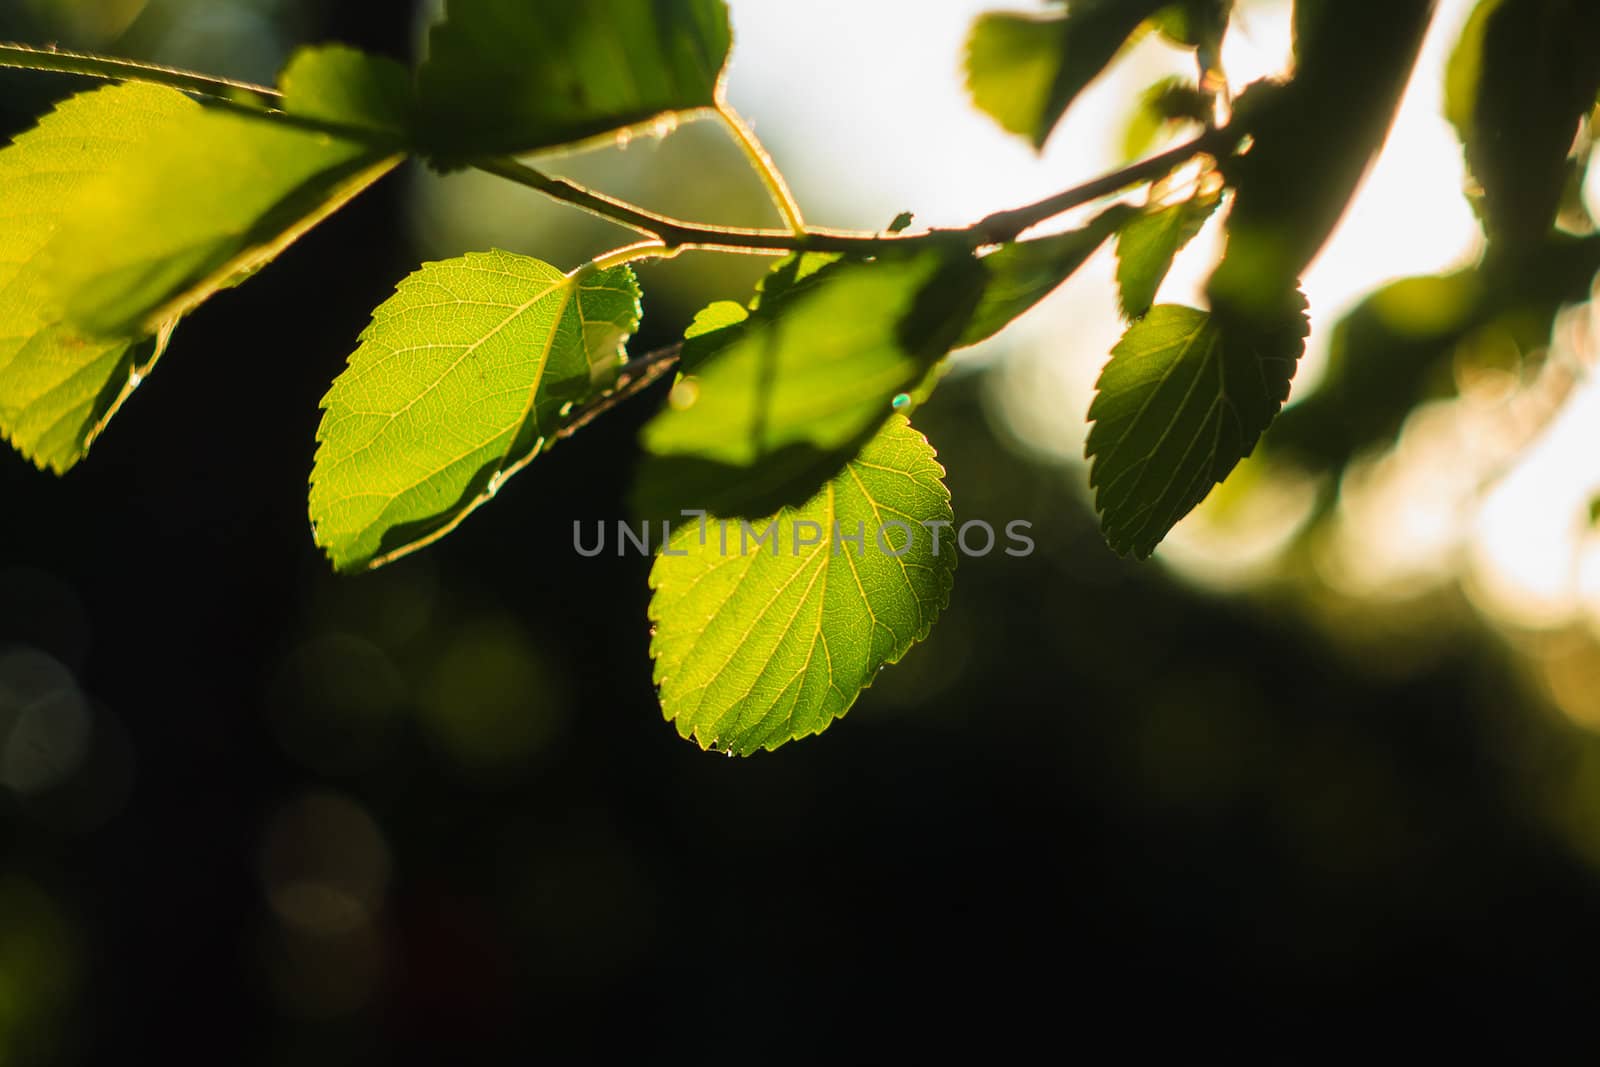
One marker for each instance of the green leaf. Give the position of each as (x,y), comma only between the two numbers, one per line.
(775,404)
(756,645)
(58,387)
(1025,70)
(348,87)
(1023,273)
(1520,81)
(462,378)
(219,195)
(1184,398)
(1169,103)
(509,76)
(1147,246)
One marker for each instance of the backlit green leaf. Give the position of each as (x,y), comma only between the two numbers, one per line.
(508,76)
(1184,398)
(774,405)
(222,193)
(1022,273)
(463,377)
(57,386)
(1025,70)
(759,643)
(1147,246)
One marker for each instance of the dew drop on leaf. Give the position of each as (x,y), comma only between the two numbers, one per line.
(684,395)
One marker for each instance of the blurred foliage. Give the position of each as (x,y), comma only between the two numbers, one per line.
(1026,70)
(1406,343)
(40,970)
(1170,104)
(1314,138)
(506,76)
(1521,80)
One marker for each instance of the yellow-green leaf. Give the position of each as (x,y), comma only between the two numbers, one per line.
(220,194)
(757,643)
(58,386)
(462,378)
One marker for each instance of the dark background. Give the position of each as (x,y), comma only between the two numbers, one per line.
(434,814)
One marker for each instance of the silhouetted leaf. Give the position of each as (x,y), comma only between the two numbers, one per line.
(462,378)
(1197,24)
(775,404)
(1184,398)
(221,194)
(1025,70)
(755,646)
(57,385)
(1147,246)
(1522,78)
(1313,140)
(506,76)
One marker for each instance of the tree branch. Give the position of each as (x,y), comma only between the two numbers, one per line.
(638,375)
(1005,226)
(675,235)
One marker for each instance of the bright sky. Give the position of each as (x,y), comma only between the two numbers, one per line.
(864,106)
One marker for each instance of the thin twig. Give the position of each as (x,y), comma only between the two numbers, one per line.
(637,376)
(678,234)
(762,163)
(50,59)
(1005,226)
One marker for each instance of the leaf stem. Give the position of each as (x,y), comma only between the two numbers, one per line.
(50,59)
(652,249)
(765,166)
